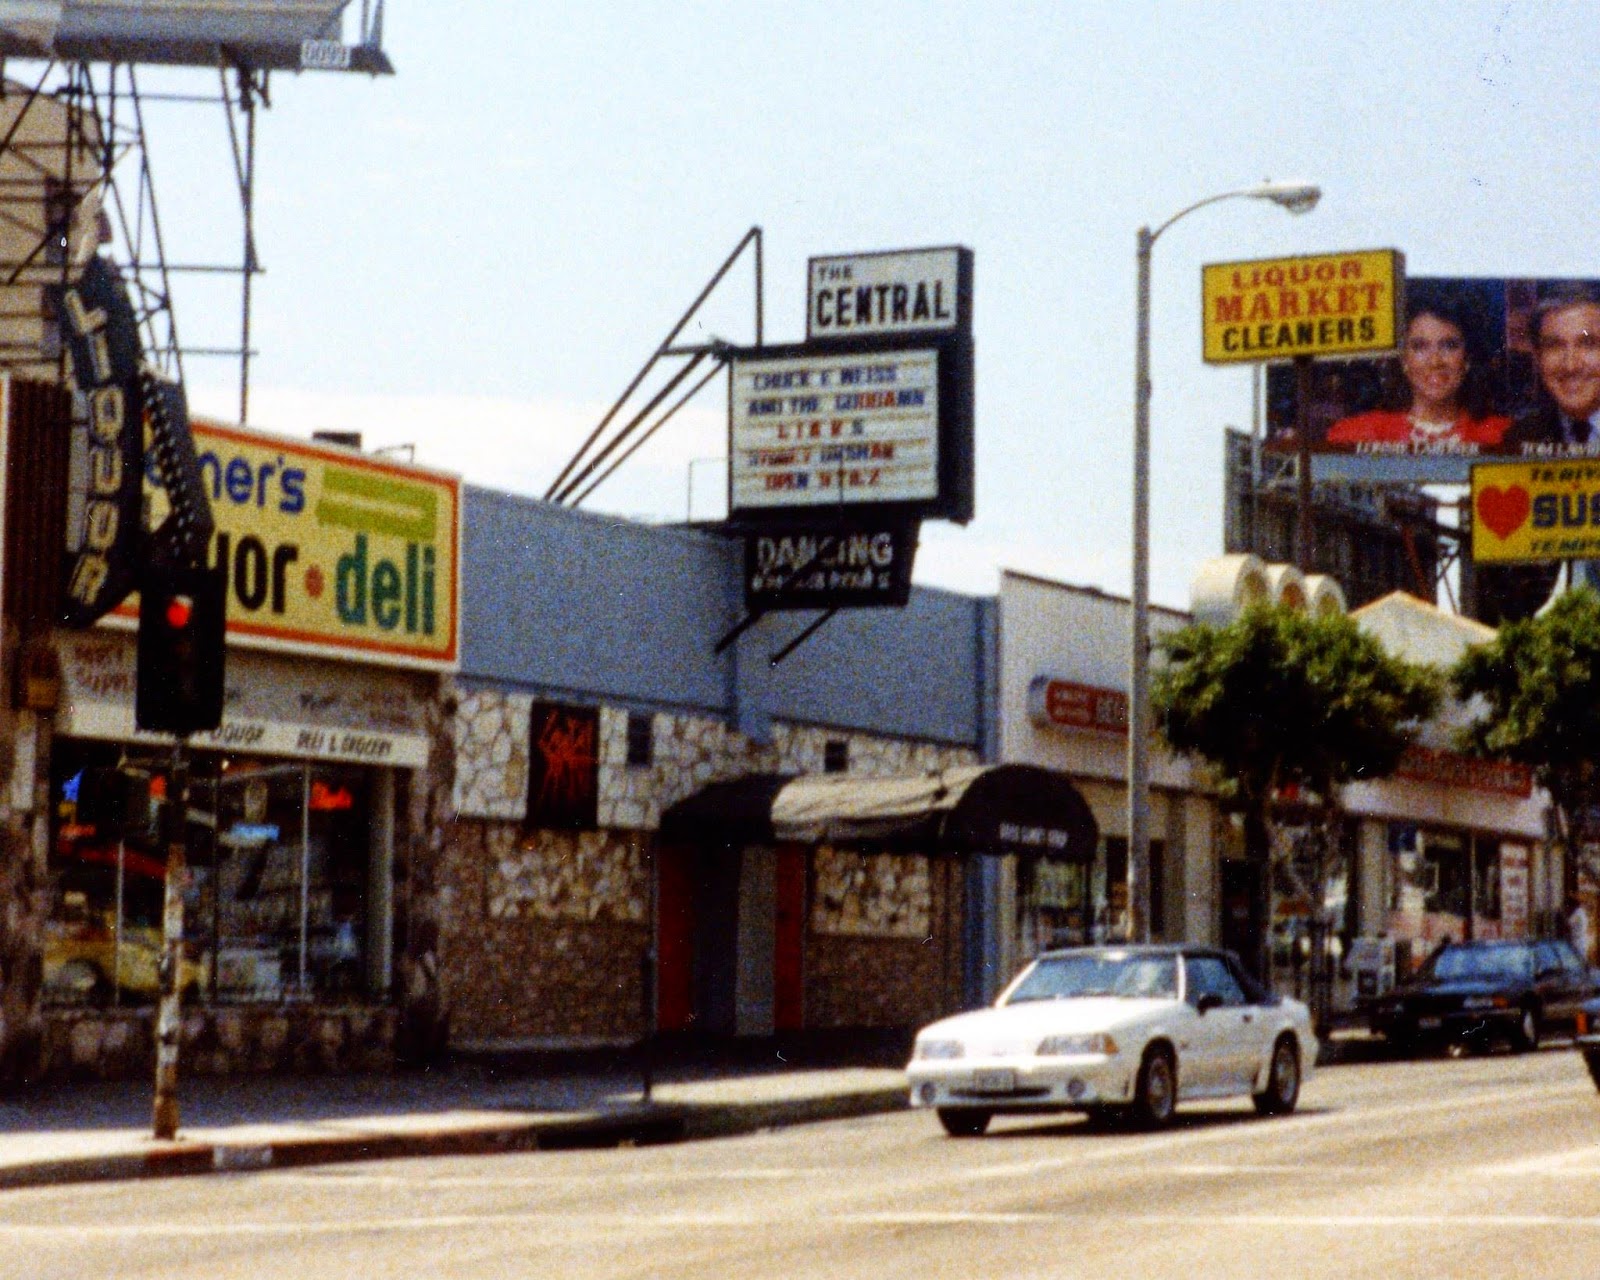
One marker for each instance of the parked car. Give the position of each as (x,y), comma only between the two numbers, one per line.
(1588,1037)
(1117,1033)
(1476,993)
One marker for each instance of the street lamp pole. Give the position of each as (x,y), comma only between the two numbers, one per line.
(1296,197)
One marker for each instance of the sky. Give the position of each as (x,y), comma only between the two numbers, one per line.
(475,256)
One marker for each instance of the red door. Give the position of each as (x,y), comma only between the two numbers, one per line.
(674,938)
(788,977)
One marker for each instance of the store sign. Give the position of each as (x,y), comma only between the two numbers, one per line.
(563,767)
(1335,304)
(1535,511)
(814,567)
(1447,769)
(813,430)
(1061,704)
(1514,893)
(272,706)
(101,338)
(329,551)
(907,291)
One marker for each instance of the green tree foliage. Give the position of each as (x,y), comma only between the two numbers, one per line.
(1539,681)
(1278,699)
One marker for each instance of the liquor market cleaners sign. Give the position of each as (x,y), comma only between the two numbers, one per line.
(1332,304)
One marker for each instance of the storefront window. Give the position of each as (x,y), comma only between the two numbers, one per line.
(276,900)
(1053,906)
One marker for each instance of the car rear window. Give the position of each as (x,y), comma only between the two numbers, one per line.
(1483,962)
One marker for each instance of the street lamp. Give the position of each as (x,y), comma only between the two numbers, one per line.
(1296,197)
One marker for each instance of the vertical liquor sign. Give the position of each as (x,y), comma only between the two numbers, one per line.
(104,499)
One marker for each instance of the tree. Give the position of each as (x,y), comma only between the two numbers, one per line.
(1539,680)
(1279,702)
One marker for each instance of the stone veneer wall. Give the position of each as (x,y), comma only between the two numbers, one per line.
(221,1040)
(545,934)
(23,903)
(542,934)
(888,979)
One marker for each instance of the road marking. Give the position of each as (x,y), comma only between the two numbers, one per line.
(423,1181)
(699,1221)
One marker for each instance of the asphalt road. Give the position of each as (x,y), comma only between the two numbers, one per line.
(1481,1167)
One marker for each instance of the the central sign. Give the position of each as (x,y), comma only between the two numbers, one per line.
(902,292)
(817,430)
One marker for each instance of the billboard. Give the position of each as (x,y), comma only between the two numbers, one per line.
(1329,304)
(1488,368)
(1536,511)
(330,551)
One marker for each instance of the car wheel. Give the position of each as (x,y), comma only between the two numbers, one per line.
(1283,1080)
(1591,1059)
(963,1122)
(1525,1039)
(1155,1096)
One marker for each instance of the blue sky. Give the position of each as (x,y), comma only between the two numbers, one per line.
(475,256)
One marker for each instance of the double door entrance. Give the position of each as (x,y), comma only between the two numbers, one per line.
(730,924)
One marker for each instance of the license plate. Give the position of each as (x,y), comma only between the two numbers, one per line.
(1429,1024)
(994,1081)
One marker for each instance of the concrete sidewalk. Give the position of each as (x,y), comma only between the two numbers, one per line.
(88,1132)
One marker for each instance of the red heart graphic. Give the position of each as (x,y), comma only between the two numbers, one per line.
(1503,510)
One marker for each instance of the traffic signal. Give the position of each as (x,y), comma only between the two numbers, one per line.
(180,668)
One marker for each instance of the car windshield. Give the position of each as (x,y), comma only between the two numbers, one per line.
(1482,962)
(1112,973)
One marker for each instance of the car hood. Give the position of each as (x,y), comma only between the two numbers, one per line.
(1048,1017)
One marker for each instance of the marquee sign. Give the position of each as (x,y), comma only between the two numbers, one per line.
(815,430)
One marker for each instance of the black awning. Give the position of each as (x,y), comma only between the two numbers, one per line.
(736,811)
(997,809)
(1021,808)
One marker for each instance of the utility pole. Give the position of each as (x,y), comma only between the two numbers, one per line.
(169,1014)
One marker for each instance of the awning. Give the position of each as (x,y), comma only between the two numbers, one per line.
(1010,808)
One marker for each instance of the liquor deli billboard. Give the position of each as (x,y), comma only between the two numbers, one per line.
(1331,304)
(1489,368)
(329,551)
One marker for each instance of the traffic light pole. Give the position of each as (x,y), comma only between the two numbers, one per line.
(169,1014)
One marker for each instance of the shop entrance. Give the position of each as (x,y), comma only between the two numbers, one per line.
(730,934)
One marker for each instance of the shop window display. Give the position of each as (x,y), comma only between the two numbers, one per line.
(275,905)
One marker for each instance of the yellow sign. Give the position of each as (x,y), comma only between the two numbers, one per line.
(1333,304)
(330,551)
(1536,511)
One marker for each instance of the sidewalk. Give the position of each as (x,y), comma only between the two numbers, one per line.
(88,1132)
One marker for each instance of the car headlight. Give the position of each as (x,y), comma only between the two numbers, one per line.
(939,1049)
(1071,1046)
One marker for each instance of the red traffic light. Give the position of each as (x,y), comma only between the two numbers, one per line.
(179,610)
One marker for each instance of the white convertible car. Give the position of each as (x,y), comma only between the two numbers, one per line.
(1117,1032)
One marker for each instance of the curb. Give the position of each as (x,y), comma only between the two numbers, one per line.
(642,1124)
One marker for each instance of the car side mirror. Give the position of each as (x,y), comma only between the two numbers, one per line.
(1209,1001)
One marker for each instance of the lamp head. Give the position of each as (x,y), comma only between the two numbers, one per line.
(1296,197)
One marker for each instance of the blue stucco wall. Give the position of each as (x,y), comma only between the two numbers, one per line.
(593,608)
